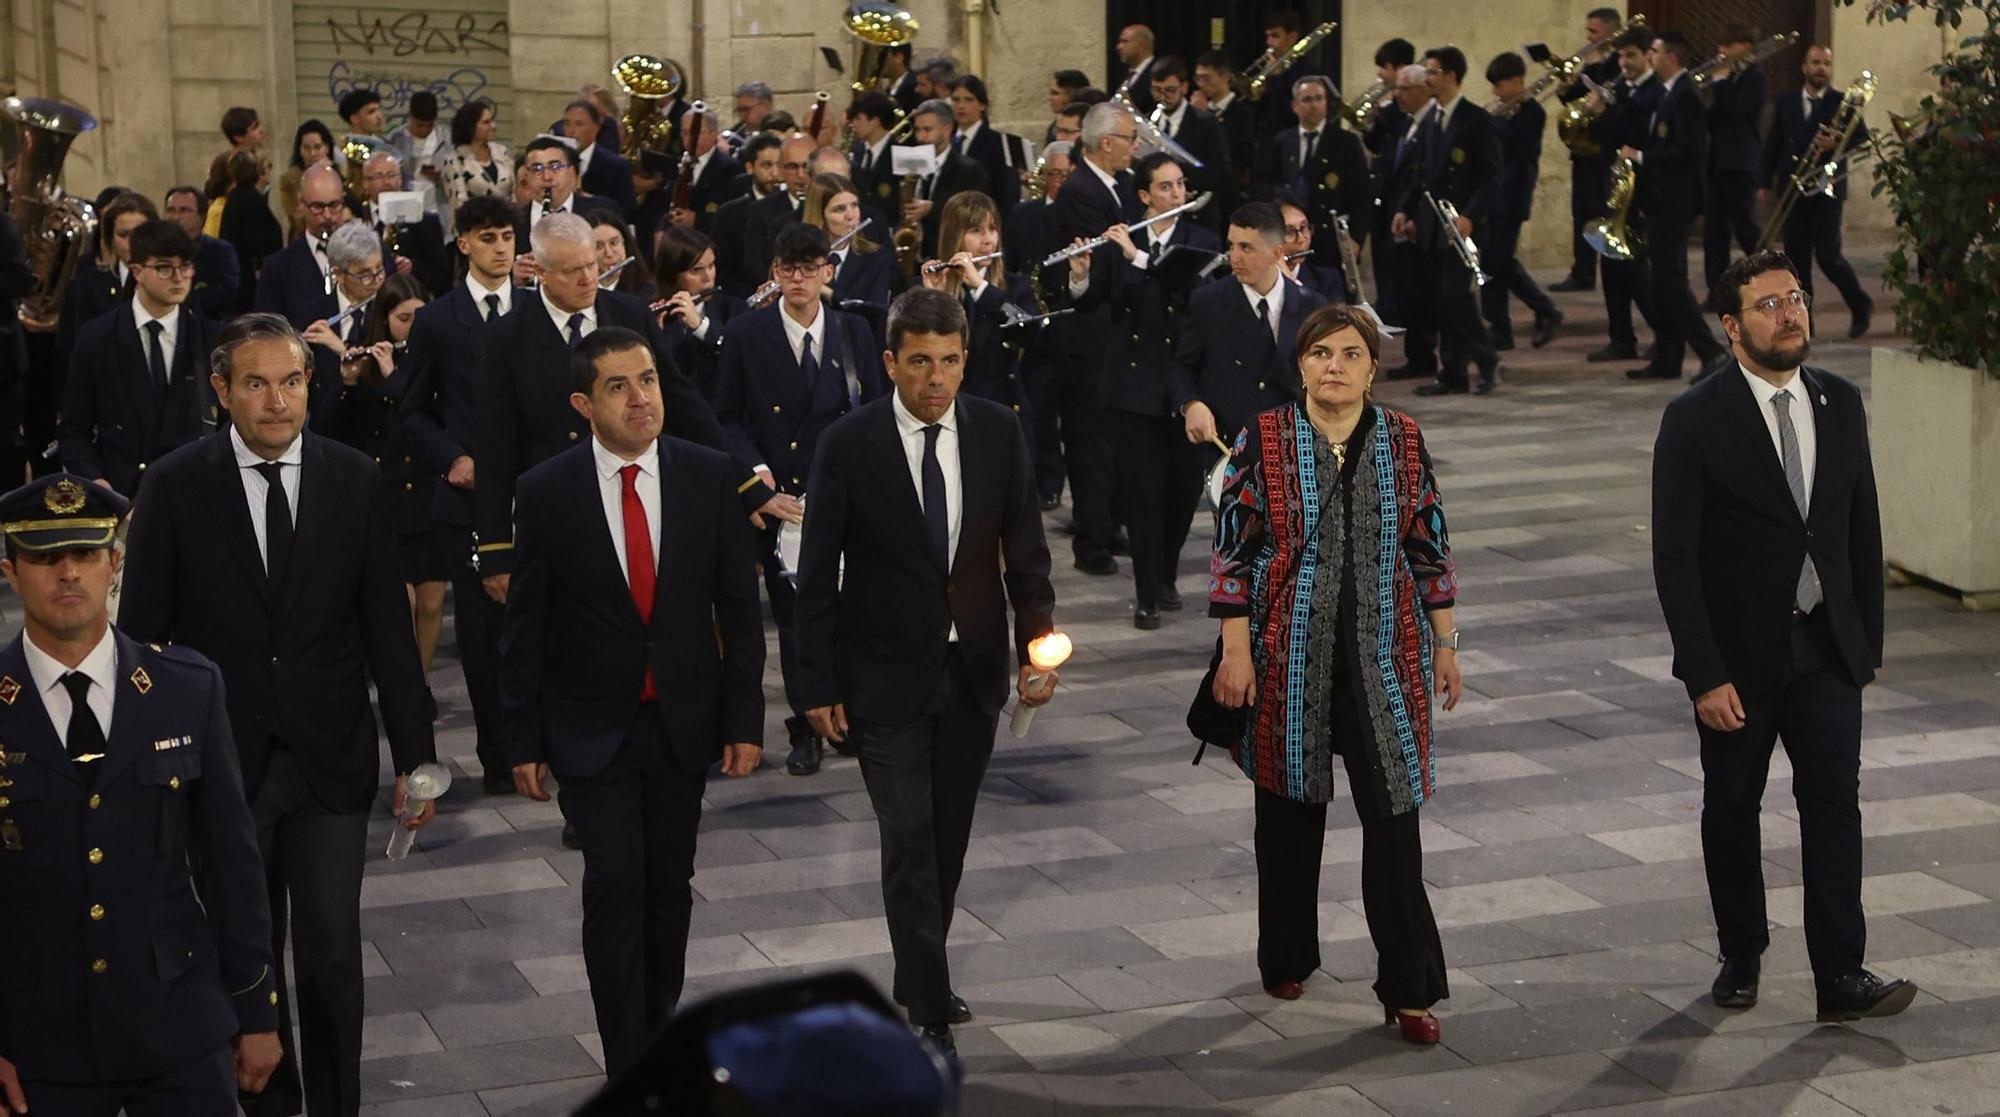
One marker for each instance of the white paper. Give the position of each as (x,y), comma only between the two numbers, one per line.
(919,160)
(399,207)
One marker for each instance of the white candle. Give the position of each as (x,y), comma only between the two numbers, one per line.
(1045,654)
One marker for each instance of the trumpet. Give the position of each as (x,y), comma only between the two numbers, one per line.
(936,266)
(1729,66)
(1361,111)
(1093,243)
(1468,252)
(1815,173)
(1271,62)
(1560,74)
(1609,235)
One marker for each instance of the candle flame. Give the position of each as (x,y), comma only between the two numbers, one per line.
(1050,651)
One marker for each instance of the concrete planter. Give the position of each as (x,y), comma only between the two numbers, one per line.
(1936,439)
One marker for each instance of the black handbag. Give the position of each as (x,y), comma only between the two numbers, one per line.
(1211,722)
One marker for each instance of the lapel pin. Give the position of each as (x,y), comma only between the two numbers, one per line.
(1822,399)
(9,689)
(141,681)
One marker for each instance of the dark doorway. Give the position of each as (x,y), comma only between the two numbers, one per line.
(1187,30)
(1702,22)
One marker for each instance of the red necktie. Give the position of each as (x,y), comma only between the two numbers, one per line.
(638,557)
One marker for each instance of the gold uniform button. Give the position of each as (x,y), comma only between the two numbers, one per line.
(795,445)
(99,966)
(96,801)
(572,436)
(274,996)
(96,911)
(5,802)
(174,782)
(775,409)
(1260,385)
(95,856)
(409,486)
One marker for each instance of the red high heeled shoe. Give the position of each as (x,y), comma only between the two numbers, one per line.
(1421,1030)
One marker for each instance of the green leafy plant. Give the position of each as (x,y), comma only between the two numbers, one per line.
(1940,172)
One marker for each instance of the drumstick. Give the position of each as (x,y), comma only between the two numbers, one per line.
(1216,439)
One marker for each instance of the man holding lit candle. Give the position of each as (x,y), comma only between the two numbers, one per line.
(931,502)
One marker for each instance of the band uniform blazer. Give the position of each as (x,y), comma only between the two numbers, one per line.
(769,413)
(447,369)
(117,418)
(1228,360)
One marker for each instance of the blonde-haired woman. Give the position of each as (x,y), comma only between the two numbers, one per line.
(969,228)
(863,271)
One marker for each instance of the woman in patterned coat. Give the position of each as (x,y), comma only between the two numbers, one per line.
(1333,579)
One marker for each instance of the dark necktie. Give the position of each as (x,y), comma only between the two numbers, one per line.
(809,364)
(639,566)
(1306,154)
(838,259)
(86,737)
(156,355)
(936,516)
(1807,595)
(277,520)
(958,144)
(492,307)
(1264,319)
(576,329)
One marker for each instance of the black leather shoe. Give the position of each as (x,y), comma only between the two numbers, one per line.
(1862,994)
(1503,342)
(569,838)
(1170,599)
(1100,565)
(1545,329)
(1650,373)
(1121,544)
(1573,283)
(1145,619)
(805,756)
(1051,503)
(1736,985)
(1612,352)
(956,1011)
(939,1036)
(1487,383)
(1864,316)
(497,783)
(1443,388)
(1410,372)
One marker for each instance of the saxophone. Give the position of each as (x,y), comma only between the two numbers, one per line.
(59,232)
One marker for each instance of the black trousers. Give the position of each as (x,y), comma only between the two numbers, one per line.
(1041,378)
(1086,447)
(1498,248)
(476,620)
(1817,713)
(1627,284)
(1159,479)
(1290,837)
(923,780)
(1416,281)
(42,380)
(1812,234)
(636,822)
(1589,189)
(312,870)
(784,604)
(1382,253)
(1461,332)
(1732,216)
(1677,322)
(205,1086)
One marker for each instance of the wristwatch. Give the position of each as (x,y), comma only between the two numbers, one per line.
(1447,639)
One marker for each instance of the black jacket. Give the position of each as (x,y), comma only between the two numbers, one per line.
(1728,540)
(117,419)
(249,227)
(290,284)
(1003,156)
(1148,313)
(956,174)
(1238,123)
(299,656)
(1227,359)
(1085,208)
(874,636)
(610,177)
(1676,155)
(993,357)
(1336,181)
(871,277)
(1459,163)
(1202,136)
(447,367)
(700,358)
(422,243)
(573,651)
(218,278)
(1734,107)
(1520,160)
(714,186)
(769,413)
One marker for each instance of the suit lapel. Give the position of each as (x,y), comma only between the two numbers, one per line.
(24,719)
(124,739)
(673,512)
(1741,404)
(975,492)
(224,494)
(589,504)
(894,467)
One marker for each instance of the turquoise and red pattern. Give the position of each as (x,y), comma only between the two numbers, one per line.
(1280,557)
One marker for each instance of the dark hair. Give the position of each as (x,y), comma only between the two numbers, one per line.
(105,195)
(1148,166)
(638,274)
(354,100)
(160,239)
(1168,66)
(800,244)
(1086,97)
(758,145)
(394,292)
(423,105)
(1284,19)
(780,124)
(971,84)
(587,105)
(1448,58)
(1728,293)
(550,143)
(246,328)
(484,211)
(1283,198)
(465,122)
(1076,109)
(1217,61)
(237,122)
(1676,44)
(1506,65)
(679,250)
(902,51)
(245,168)
(601,342)
(1261,216)
(874,104)
(121,204)
(310,127)
(1072,79)
(200,199)
(1637,37)
(1736,33)
(1396,52)
(1611,16)
(921,310)
(1333,318)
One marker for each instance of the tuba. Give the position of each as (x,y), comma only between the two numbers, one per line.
(59,232)
(1609,234)
(649,85)
(876,25)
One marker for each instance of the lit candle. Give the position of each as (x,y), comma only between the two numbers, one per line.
(1045,654)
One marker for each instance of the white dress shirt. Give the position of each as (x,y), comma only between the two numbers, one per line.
(561,317)
(911,429)
(1802,420)
(1276,298)
(1157,237)
(479,293)
(796,334)
(611,488)
(583,160)
(169,330)
(1221,106)
(966,134)
(101,666)
(255,488)
(1173,119)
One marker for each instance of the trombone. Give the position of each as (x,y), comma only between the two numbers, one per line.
(1361,111)
(1269,64)
(1815,173)
(1468,252)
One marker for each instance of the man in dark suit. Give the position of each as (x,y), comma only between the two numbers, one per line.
(1002,155)
(731,228)
(928,498)
(163,1000)
(1135,53)
(790,370)
(415,248)
(1197,131)
(869,118)
(138,380)
(1322,165)
(777,211)
(1812,230)
(1234,355)
(552,178)
(1670,162)
(1392,144)
(1520,165)
(1626,121)
(714,177)
(1735,153)
(956,172)
(1589,175)
(900,82)
(1028,236)
(1282,31)
(633,660)
(217,275)
(1215,77)
(301,612)
(447,367)
(1458,161)
(1767,552)
(522,420)
(297,282)
(601,170)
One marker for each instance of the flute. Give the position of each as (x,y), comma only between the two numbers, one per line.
(700,298)
(610,274)
(936,266)
(350,312)
(1063,254)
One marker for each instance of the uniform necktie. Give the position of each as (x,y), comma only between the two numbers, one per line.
(492,307)
(809,364)
(1807,595)
(936,516)
(958,143)
(1312,142)
(838,259)
(639,568)
(156,354)
(1264,317)
(86,737)
(277,519)
(576,329)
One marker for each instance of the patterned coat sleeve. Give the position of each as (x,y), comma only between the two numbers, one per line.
(1426,544)
(1239,531)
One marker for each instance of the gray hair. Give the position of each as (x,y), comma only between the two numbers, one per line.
(943,70)
(352,244)
(247,328)
(388,153)
(756,89)
(1063,148)
(1102,120)
(937,107)
(560,228)
(1415,71)
(709,121)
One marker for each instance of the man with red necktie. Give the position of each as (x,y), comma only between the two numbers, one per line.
(629,688)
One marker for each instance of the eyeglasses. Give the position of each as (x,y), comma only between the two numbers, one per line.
(364,276)
(799,271)
(788,167)
(1128,137)
(555,168)
(1299,231)
(1775,305)
(383,176)
(169,271)
(325,207)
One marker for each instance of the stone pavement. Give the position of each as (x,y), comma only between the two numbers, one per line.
(1106,926)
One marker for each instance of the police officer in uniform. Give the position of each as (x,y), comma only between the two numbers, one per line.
(129,985)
